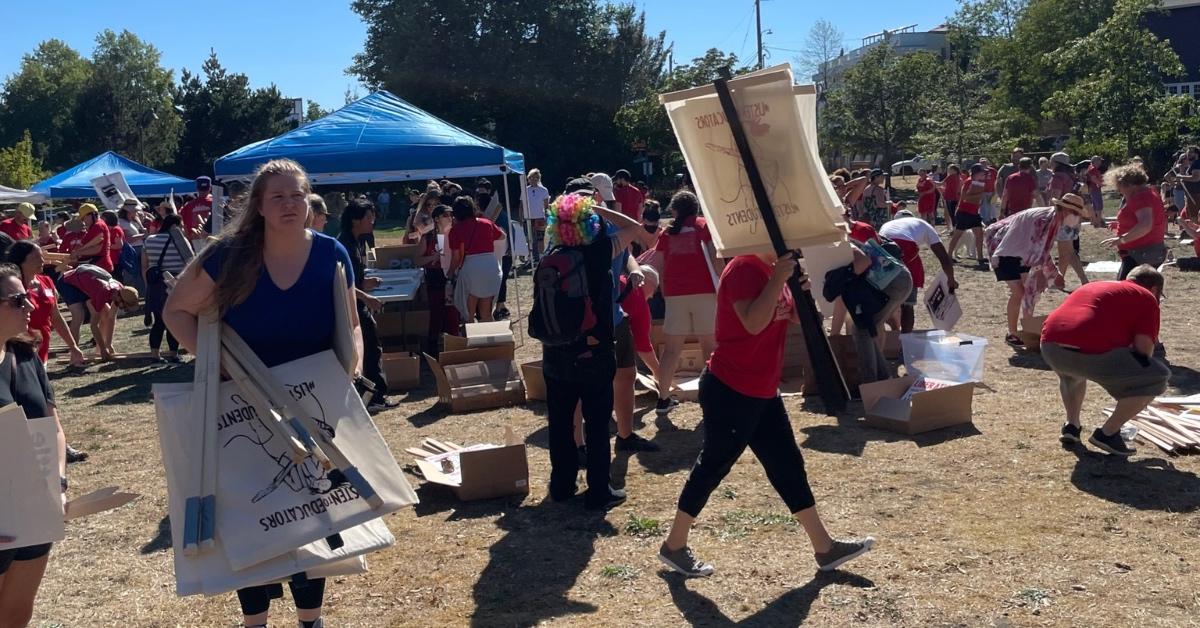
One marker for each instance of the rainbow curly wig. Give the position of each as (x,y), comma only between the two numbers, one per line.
(571,221)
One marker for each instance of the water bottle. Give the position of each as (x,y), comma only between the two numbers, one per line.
(1128,432)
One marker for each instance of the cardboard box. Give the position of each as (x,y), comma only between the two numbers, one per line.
(395,256)
(402,371)
(846,356)
(691,358)
(498,333)
(658,338)
(1031,332)
(926,411)
(535,381)
(478,472)
(478,378)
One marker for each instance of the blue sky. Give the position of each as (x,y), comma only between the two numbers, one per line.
(304,46)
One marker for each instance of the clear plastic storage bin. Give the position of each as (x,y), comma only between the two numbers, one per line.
(953,357)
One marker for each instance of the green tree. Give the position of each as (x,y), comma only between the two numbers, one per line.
(19,168)
(222,113)
(545,77)
(644,122)
(1119,94)
(881,102)
(41,99)
(314,111)
(127,103)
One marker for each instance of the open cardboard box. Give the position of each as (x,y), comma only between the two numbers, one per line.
(535,381)
(926,411)
(481,335)
(478,377)
(402,371)
(477,472)
(394,256)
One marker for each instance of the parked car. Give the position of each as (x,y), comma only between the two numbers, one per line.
(911,166)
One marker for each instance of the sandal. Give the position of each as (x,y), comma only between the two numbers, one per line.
(1014,341)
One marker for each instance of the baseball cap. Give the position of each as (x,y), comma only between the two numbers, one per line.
(579,184)
(1060,158)
(203,183)
(623,174)
(904,213)
(604,185)
(26,209)
(86,208)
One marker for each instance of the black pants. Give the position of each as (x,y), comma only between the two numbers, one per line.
(561,399)
(951,206)
(372,351)
(157,331)
(733,421)
(308,595)
(506,268)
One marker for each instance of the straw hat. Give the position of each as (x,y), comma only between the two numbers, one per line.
(1071,202)
(26,209)
(127,297)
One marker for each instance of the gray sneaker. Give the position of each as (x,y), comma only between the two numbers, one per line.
(684,561)
(843,552)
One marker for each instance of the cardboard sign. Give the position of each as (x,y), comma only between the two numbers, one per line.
(264,499)
(112,190)
(29,477)
(943,306)
(804,201)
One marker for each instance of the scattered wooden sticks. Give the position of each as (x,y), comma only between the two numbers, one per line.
(1170,423)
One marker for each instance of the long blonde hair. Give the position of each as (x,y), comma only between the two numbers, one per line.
(243,241)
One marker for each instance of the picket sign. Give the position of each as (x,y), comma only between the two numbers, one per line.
(112,190)
(25,466)
(943,305)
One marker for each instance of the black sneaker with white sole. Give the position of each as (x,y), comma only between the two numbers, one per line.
(1112,444)
(664,406)
(615,498)
(684,561)
(635,443)
(843,552)
(1070,434)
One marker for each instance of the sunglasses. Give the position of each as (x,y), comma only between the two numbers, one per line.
(17,300)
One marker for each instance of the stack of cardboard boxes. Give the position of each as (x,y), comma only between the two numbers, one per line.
(478,371)
(403,327)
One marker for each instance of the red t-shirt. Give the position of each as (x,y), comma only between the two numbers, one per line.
(1127,218)
(1020,187)
(927,199)
(1060,184)
(951,186)
(971,206)
(685,270)
(99,230)
(1094,178)
(638,310)
(1103,315)
(750,364)
(17,232)
(476,234)
(990,181)
(98,286)
(631,200)
(117,243)
(861,232)
(69,242)
(44,303)
(194,212)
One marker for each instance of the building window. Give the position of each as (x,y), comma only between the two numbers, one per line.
(1185,89)
(1172,89)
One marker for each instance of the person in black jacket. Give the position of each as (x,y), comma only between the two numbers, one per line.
(869,307)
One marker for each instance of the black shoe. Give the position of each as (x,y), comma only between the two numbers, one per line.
(615,498)
(1014,341)
(500,314)
(635,443)
(1070,434)
(74,455)
(664,406)
(1113,444)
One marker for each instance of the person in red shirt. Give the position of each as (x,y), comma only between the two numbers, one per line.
(473,265)
(635,303)
(951,188)
(94,288)
(926,196)
(740,402)
(628,195)
(1019,189)
(72,236)
(93,247)
(989,189)
(689,267)
(1141,221)
(18,226)
(966,216)
(45,315)
(197,210)
(116,241)
(1095,183)
(1105,332)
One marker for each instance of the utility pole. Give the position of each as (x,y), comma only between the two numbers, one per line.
(758,30)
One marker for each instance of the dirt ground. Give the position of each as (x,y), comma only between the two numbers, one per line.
(992,524)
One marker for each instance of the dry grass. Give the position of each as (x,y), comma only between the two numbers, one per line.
(993,524)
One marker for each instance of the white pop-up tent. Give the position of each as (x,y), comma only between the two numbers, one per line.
(11,195)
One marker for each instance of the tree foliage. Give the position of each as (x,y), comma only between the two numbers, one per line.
(823,44)
(314,111)
(222,113)
(41,99)
(545,77)
(19,168)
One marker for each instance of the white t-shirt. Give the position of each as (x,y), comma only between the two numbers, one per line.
(914,230)
(535,201)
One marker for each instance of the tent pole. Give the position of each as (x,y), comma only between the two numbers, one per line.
(513,289)
(527,227)
(218,216)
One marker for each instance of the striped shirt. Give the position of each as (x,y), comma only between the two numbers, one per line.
(172,261)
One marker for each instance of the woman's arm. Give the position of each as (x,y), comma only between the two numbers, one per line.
(755,314)
(193,293)
(628,229)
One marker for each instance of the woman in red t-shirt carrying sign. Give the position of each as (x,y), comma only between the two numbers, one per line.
(740,402)
(1141,221)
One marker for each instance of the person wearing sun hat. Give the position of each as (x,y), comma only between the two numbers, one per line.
(94,288)
(93,247)
(18,226)
(1019,249)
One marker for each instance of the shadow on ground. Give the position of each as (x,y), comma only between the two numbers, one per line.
(1145,484)
(126,386)
(789,609)
(162,538)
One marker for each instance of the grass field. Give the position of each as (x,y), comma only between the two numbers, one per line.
(993,524)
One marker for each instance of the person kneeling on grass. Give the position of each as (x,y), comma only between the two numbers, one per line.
(740,402)
(1105,332)
(92,287)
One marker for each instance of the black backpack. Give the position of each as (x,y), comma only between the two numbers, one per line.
(562,312)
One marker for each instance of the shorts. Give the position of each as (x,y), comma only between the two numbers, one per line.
(70,294)
(30,552)
(912,297)
(691,315)
(966,222)
(626,355)
(1119,372)
(1010,269)
(1066,234)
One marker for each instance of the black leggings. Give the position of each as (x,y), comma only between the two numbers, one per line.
(156,334)
(733,421)
(308,595)
(951,205)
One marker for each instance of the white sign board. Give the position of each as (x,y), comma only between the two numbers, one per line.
(29,479)
(113,190)
(943,306)
(802,197)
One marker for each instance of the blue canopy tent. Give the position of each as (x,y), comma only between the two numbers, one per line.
(76,182)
